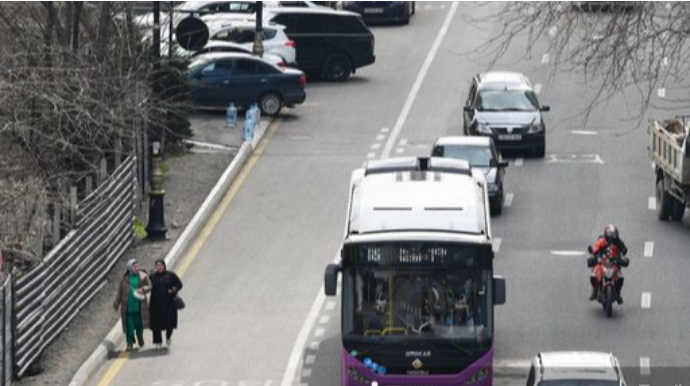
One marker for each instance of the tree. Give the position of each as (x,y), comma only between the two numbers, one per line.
(616,47)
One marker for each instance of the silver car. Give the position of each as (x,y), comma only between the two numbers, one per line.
(575,368)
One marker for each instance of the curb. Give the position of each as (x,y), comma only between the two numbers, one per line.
(115,337)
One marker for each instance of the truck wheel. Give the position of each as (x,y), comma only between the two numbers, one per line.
(664,201)
(678,210)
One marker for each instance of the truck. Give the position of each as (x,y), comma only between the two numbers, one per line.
(418,289)
(669,146)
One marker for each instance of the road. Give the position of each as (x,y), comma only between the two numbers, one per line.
(252,290)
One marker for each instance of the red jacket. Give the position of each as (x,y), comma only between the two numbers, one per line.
(618,248)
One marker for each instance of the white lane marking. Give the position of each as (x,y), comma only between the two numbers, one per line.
(330,306)
(376,146)
(645,366)
(496,245)
(553,31)
(509,200)
(403,142)
(653,165)
(516,363)
(664,62)
(310,359)
(418,82)
(371,155)
(427,6)
(399,150)
(443,6)
(319,332)
(314,345)
(537,88)
(567,253)
(519,162)
(301,341)
(380,137)
(648,249)
(385,130)
(651,204)
(325,319)
(575,159)
(646,300)
(306,373)
(661,92)
(545,58)
(583,132)
(597,37)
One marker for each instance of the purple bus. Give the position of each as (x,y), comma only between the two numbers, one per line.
(418,289)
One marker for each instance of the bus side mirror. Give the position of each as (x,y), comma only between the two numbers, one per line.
(331,279)
(499,290)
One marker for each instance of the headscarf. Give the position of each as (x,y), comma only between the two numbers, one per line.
(162,262)
(130,265)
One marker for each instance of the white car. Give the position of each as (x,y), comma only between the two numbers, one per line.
(205,9)
(276,42)
(575,368)
(220,46)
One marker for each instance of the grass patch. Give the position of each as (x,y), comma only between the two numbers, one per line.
(139,229)
(165,167)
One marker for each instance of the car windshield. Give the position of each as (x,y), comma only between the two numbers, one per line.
(477,156)
(507,100)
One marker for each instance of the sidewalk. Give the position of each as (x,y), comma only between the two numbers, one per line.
(192,176)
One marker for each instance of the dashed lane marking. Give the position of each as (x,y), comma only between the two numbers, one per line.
(583,132)
(399,150)
(314,345)
(310,359)
(661,92)
(648,249)
(645,366)
(519,162)
(646,300)
(537,88)
(319,332)
(385,130)
(496,245)
(371,155)
(330,306)
(380,137)
(325,319)
(306,373)
(509,200)
(376,146)
(567,253)
(553,31)
(403,142)
(651,204)
(545,58)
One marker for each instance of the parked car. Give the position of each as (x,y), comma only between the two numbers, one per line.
(243,33)
(330,43)
(205,9)
(220,78)
(575,368)
(382,11)
(305,4)
(481,153)
(503,106)
(215,46)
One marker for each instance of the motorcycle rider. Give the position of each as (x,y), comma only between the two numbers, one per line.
(609,240)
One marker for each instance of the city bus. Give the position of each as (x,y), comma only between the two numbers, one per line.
(417,287)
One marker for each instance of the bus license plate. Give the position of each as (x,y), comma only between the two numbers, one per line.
(373,10)
(510,137)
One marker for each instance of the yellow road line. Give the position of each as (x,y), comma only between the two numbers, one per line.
(193,252)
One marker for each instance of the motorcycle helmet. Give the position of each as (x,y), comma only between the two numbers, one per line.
(610,232)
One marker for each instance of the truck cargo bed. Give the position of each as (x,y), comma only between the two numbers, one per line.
(668,148)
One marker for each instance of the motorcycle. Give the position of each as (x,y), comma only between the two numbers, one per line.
(606,272)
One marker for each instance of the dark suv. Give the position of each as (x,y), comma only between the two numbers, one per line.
(382,11)
(330,43)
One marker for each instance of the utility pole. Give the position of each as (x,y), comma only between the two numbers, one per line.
(258,48)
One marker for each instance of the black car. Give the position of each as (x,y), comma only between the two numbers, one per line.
(329,43)
(481,153)
(220,78)
(503,106)
(382,11)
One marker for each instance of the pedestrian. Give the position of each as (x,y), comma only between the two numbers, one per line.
(163,308)
(131,301)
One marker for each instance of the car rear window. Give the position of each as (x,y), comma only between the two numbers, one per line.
(345,24)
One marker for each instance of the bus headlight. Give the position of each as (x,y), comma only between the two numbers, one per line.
(479,376)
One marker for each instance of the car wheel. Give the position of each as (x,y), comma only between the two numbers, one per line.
(337,68)
(664,201)
(496,205)
(678,210)
(270,104)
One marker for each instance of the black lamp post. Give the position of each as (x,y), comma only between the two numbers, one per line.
(258,48)
(156,230)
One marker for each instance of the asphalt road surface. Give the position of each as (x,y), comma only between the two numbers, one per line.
(255,316)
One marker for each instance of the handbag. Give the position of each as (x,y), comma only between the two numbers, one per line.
(179,303)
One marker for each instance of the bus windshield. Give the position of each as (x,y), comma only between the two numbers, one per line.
(418,292)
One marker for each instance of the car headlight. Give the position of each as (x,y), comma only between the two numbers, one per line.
(478,376)
(483,128)
(535,128)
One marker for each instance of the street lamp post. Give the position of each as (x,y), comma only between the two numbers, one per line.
(258,48)
(156,229)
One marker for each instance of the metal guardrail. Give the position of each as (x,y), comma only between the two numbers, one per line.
(52,294)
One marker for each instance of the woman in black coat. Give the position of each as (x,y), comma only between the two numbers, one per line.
(163,312)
